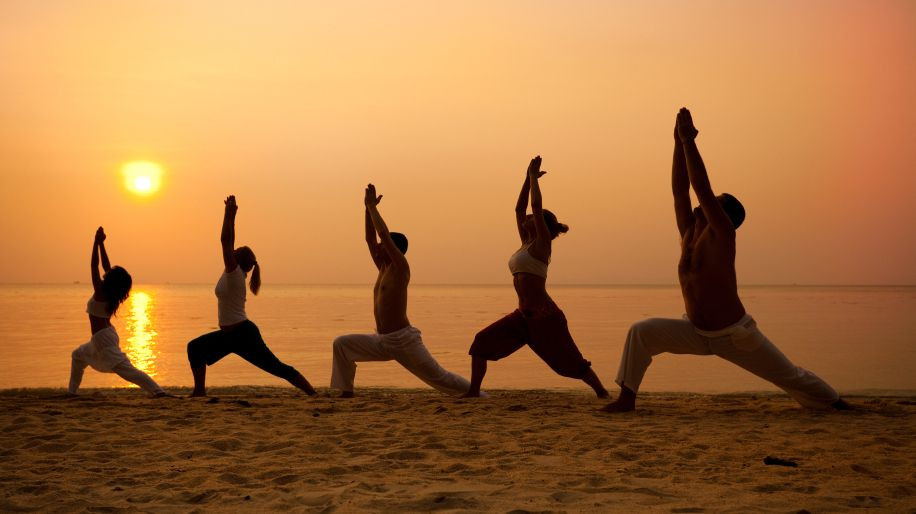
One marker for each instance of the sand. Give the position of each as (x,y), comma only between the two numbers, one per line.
(263,448)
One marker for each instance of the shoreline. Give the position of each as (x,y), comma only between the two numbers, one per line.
(325,392)
(261,448)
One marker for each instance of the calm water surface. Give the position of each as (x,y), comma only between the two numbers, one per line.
(856,338)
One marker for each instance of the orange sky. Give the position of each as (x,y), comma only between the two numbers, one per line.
(806,112)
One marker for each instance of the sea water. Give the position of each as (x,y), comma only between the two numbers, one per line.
(856,338)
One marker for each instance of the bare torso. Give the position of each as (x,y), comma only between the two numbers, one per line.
(708,282)
(530,288)
(390,295)
(531,291)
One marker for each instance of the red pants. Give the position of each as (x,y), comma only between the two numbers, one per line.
(545,331)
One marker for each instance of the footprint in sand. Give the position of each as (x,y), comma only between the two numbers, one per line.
(226,444)
(233,478)
(286,479)
(865,471)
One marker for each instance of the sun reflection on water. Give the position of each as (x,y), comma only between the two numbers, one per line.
(141,334)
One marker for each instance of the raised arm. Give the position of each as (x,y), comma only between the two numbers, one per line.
(227,235)
(715,215)
(94,261)
(371,240)
(100,237)
(397,258)
(541,247)
(521,207)
(680,187)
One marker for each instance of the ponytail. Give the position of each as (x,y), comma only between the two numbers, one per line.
(553,226)
(255,282)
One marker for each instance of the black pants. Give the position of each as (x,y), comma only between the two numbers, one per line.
(246,342)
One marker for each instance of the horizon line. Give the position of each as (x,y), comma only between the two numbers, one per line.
(474,284)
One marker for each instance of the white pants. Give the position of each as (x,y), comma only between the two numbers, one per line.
(404,346)
(103,353)
(742,344)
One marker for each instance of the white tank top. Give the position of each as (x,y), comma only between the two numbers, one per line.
(230,297)
(523,262)
(97,308)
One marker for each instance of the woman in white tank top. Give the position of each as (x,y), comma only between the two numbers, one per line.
(103,352)
(237,334)
(537,322)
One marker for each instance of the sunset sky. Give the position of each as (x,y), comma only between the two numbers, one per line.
(806,111)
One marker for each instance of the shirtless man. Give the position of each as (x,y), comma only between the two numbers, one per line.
(716,322)
(395,339)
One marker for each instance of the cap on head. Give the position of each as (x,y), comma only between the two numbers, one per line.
(400,240)
(733,209)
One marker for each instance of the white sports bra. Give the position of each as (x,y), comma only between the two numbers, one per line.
(523,262)
(97,308)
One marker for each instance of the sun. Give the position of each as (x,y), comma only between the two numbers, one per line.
(142,177)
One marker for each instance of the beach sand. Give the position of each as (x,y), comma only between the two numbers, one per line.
(265,448)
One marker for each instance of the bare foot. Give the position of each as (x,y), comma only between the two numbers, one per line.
(841,404)
(198,394)
(619,406)
(603,394)
(163,394)
(346,394)
(626,402)
(471,394)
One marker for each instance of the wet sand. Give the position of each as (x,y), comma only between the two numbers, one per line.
(266,448)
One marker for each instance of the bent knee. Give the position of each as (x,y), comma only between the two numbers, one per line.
(196,354)
(339,344)
(644,326)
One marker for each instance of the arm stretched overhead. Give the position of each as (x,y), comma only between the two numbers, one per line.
(94,262)
(680,187)
(521,206)
(715,215)
(371,241)
(100,237)
(397,258)
(541,247)
(227,235)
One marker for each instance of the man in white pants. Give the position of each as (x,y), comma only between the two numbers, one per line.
(395,339)
(716,322)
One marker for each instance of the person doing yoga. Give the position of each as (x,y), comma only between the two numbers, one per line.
(395,338)
(103,352)
(716,322)
(237,334)
(537,322)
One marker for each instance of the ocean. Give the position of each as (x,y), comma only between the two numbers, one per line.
(857,338)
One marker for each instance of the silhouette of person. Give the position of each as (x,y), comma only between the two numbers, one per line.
(716,322)
(237,334)
(395,338)
(537,322)
(103,352)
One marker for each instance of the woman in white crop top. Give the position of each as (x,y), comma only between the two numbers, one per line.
(537,322)
(237,334)
(103,352)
